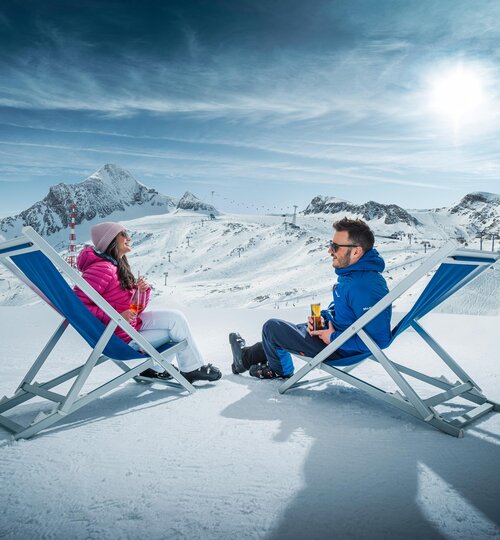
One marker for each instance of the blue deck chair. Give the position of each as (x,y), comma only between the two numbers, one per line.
(455,268)
(34,261)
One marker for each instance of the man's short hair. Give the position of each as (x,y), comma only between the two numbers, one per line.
(358,230)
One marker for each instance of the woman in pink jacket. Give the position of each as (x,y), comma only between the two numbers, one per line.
(107,270)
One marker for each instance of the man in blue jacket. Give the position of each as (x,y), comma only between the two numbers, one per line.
(359,286)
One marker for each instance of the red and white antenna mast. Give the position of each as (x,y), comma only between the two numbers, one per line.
(72,237)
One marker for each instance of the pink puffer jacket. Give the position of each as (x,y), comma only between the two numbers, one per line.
(102,275)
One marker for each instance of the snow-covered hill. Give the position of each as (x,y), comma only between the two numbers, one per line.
(256,262)
(475,213)
(479,212)
(244,260)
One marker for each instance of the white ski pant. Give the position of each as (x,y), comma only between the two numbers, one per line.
(160,326)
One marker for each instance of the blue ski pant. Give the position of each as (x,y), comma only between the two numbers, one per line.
(279,339)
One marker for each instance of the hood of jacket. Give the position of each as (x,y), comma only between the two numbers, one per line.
(371,261)
(89,256)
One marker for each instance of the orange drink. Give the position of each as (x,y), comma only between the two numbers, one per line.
(137,302)
(316,315)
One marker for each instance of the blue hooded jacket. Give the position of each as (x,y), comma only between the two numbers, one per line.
(358,288)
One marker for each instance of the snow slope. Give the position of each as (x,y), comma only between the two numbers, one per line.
(238,460)
(255,262)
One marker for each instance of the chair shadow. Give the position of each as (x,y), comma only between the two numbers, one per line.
(363,474)
(128,398)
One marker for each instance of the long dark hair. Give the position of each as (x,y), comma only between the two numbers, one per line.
(125,276)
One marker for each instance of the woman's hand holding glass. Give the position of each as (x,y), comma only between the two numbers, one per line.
(138,300)
(129,315)
(142,285)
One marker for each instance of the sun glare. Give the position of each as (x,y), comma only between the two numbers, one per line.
(458,94)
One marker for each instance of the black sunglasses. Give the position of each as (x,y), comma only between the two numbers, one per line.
(334,247)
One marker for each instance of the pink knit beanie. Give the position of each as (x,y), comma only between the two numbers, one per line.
(104,233)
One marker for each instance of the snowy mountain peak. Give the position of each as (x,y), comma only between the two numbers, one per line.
(478,212)
(188,198)
(479,197)
(322,199)
(111,192)
(192,203)
(114,176)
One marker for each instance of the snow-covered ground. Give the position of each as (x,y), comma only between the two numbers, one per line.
(239,460)
(257,262)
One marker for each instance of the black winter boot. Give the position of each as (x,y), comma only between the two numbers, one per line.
(204,373)
(155,375)
(237,344)
(263,371)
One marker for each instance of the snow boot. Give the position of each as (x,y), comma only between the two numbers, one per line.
(237,343)
(263,371)
(155,375)
(204,373)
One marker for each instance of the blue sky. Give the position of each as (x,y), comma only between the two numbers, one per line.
(267,103)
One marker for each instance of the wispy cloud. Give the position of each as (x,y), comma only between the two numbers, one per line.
(287,167)
(63,75)
(236,97)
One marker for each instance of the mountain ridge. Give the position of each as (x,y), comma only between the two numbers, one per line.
(475,213)
(109,191)
(112,193)
(369,211)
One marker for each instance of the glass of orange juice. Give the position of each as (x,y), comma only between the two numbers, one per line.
(137,302)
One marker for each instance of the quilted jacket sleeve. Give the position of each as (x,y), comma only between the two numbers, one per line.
(99,276)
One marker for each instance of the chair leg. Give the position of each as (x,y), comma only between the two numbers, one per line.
(72,401)
(402,404)
(38,363)
(447,359)
(72,395)
(446,427)
(166,365)
(293,380)
(37,426)
(396,376)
